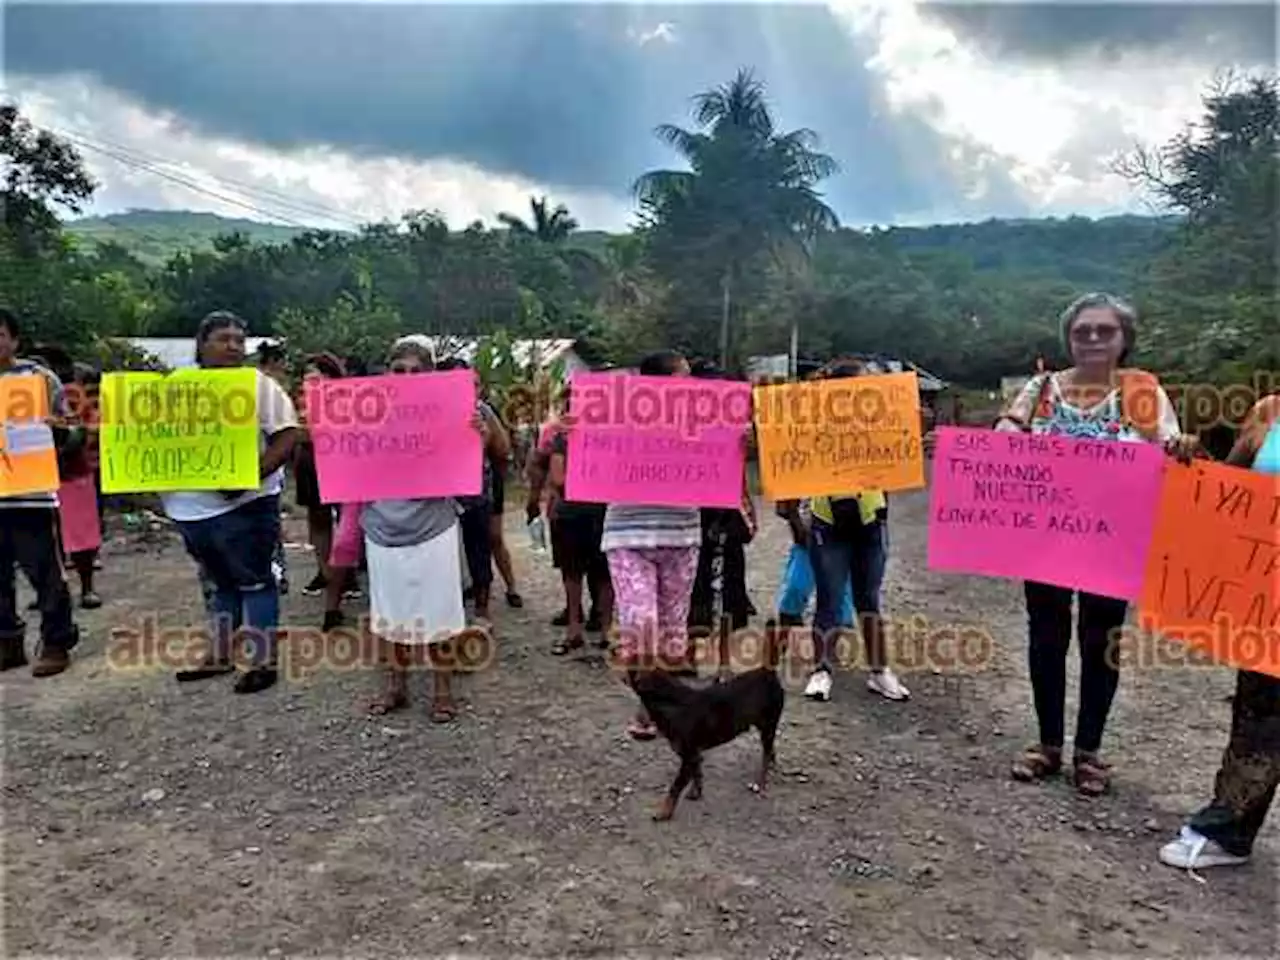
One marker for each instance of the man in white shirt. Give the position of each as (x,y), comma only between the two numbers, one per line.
(232,534)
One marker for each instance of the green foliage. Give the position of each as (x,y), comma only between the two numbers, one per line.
(750,194)
(741,233)
(357,324)
(1210,297)
(156,236)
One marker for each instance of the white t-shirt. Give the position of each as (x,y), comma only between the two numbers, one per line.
(275,413)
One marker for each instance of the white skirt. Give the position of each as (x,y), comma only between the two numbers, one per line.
(413,591)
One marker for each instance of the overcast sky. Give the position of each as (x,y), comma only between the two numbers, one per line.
(338,114)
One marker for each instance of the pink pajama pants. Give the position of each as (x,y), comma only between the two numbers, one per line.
(652,588)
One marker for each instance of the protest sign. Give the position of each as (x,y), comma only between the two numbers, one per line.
(193,429)
(1072,513)
(1213,569)
(28,461)
(396,437)
(839,436)
(78,515)
(660,441)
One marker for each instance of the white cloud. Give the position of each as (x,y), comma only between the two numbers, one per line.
(664,32)
(1055,128)
(319,186)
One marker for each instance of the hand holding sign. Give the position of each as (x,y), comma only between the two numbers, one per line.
(839,436)
(1213,569)
(1073,513)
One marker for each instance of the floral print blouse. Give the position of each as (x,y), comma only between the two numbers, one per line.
(1042,406)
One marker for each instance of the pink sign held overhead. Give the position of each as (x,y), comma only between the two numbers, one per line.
(78,515)
(395,437)
(1071,513)
(660,441)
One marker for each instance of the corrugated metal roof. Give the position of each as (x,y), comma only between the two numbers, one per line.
(778,365)
(178,352)
(522,351)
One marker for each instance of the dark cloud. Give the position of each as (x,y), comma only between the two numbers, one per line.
(559,94)
(1220,33)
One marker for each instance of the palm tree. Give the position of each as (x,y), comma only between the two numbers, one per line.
(750,190)
(548,225)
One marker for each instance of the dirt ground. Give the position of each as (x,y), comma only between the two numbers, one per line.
(142,818)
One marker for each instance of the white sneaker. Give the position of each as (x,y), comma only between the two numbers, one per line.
(1192,849)
(819,686)
(886,683)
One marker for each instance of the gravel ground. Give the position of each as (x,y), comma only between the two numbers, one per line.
(146,819)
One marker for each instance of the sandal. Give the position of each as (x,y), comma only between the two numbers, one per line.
(443,713)
(641,731)
(566,645)
(384,704)
(1037,763)
(1092,776)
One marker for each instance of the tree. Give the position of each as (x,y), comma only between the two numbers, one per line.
(40,171)
(749,195)
(547,225)
(1210,298)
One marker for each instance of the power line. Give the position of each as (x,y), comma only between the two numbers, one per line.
(278,198)
(183,181)
(269,207)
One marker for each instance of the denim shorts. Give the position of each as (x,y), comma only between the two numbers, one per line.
(847,559)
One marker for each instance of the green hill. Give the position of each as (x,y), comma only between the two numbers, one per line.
(153,236)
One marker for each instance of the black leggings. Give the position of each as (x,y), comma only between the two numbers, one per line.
(1049,633)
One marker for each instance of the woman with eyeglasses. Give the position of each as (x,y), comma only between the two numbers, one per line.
(1094,399)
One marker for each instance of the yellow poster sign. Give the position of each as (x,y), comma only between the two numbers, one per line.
(28,462)
(839,436)
(187,430)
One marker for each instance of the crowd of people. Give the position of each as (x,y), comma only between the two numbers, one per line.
(654,576)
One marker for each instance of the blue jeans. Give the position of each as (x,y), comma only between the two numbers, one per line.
(233,552)
(845,561)
(798,587)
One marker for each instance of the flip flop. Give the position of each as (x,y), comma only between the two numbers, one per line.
(642,731)
(443,713)
(383,704)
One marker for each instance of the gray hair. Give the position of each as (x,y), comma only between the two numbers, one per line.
(1124,313)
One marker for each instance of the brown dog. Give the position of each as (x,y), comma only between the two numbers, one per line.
(694,719)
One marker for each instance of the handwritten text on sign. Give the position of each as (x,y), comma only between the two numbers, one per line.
(396,437)
(839,436)
(663,441)
(1213,571)
(1072,513)
(28,463)
(191,429)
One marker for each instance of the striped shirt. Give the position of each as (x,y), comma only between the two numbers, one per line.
(57,408)
(632,527)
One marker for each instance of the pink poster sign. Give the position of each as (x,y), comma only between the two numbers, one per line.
(395,437)
(1072,513)
(78,515)
(659,441)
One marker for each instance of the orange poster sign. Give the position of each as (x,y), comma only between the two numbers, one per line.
(1213,570)
(28,463)
(839,436)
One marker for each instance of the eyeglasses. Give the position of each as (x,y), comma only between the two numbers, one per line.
(1084,332)
(405,368)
